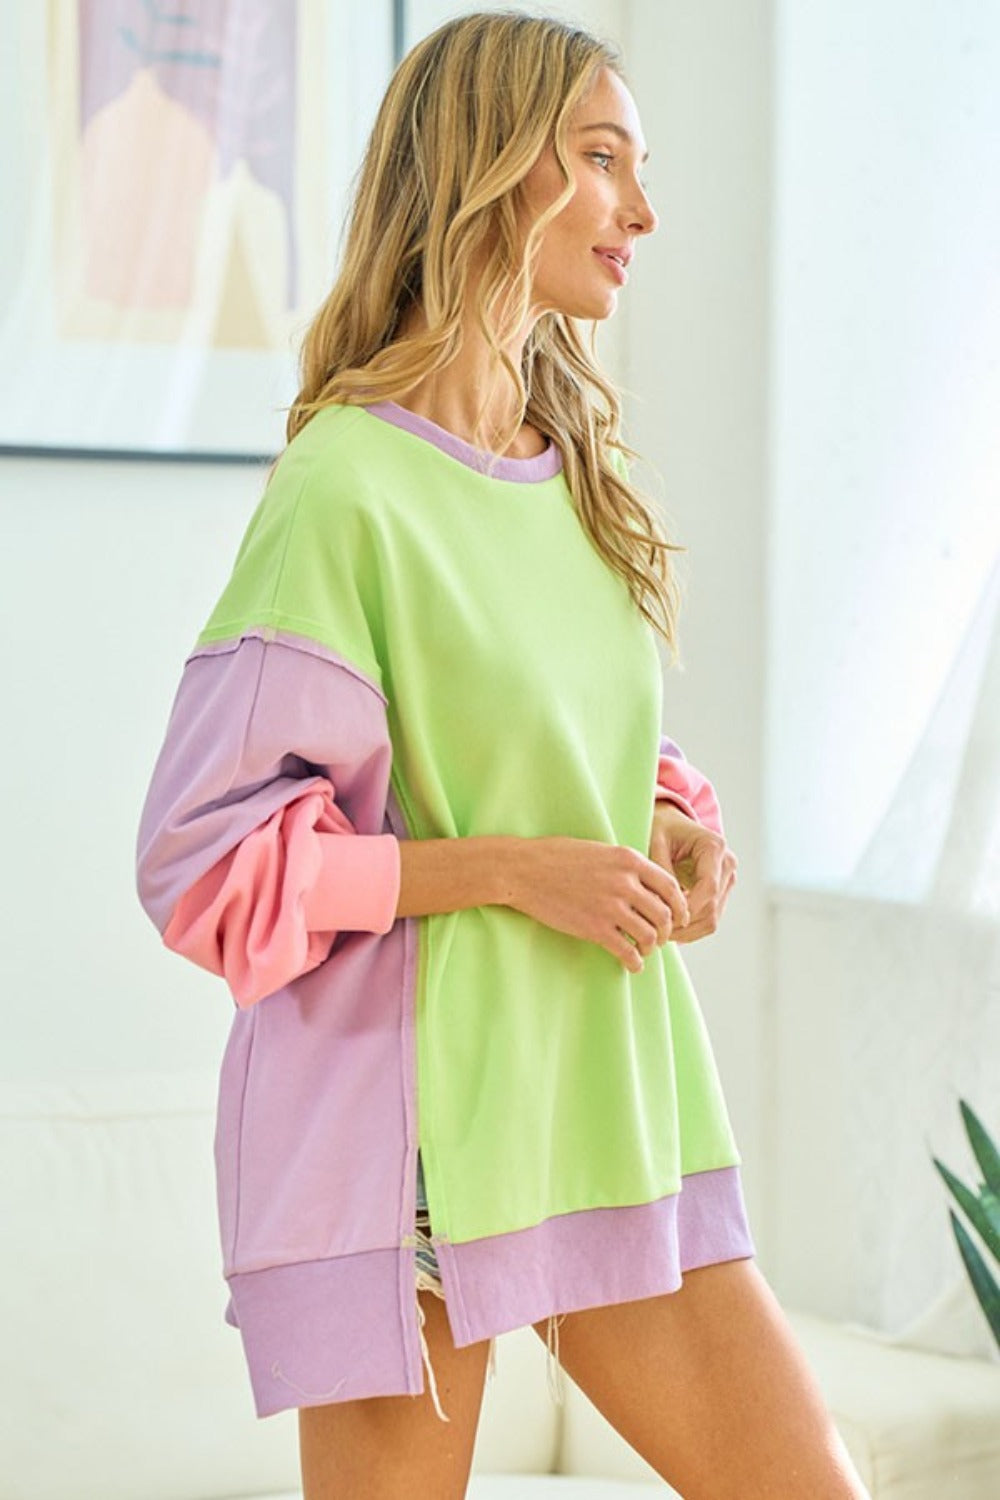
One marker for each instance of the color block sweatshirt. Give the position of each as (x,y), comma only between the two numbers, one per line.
(414,644)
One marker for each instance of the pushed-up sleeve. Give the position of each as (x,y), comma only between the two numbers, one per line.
(263,833)
(681,783)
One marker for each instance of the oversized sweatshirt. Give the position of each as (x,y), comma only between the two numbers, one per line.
(417,643)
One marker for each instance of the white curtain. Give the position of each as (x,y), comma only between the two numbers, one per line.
(923,989)
(883,739)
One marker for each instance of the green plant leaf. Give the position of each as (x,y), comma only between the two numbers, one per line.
(983,1283)
(982,1216)
(984,1150)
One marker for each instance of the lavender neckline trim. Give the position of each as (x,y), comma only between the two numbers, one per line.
(525,470)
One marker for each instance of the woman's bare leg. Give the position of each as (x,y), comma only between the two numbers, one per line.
(710,1386)
(396,1447)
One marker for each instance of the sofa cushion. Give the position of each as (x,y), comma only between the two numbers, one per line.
(120,1377)
(122,1380)
(918,1425)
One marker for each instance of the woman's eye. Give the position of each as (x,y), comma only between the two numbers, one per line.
(607,156)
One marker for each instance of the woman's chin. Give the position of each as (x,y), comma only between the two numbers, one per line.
(595,308)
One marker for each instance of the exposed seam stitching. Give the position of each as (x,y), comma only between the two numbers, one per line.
(308,645)
(239,1141)
(238,1194)
(219,643)
(404,1260)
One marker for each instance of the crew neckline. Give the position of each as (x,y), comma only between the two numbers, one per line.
(541,466)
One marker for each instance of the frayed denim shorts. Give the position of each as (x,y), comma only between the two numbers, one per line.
(427,1265)
(429,1279)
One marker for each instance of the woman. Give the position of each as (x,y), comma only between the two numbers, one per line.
(405,806)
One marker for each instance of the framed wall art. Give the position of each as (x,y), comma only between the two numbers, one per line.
(176,176)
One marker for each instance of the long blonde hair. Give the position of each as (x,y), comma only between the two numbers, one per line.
(465,116)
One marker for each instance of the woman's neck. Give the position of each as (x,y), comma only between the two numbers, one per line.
(451,397)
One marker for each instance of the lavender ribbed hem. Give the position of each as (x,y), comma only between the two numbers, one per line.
(526,470)
(307,1327)
(593,1258)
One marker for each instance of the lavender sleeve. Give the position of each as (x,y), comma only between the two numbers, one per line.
(263,833)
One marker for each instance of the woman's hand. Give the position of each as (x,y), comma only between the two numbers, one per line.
(606,893)
(702,863)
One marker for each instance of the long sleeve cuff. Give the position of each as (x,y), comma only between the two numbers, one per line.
(667,794)
(357,889)
(683,784)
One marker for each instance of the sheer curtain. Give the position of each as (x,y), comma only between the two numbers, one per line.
(883,703)
(922,980)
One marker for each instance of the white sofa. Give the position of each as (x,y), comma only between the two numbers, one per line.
(120,1380)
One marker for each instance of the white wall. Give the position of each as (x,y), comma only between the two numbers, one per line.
(109,571)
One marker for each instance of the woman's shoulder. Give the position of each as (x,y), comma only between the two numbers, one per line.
(319,493)
(324,457)
(311,483)
(306,564)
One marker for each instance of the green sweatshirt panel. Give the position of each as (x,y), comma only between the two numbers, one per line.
(304,564)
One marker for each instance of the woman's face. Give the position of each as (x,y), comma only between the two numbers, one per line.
(608,210)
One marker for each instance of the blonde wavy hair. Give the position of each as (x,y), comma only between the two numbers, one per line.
(465,116)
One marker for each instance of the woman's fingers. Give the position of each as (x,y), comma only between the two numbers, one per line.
(650,914)
(613,895)
(646,935)
(664,886)
(708,896)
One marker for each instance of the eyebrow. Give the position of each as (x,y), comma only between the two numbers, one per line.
(618,130)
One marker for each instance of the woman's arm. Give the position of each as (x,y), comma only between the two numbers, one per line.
(263,831)
(439,875)
(607,894)
(442,875)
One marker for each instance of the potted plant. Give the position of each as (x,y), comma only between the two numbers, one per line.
(982,1208)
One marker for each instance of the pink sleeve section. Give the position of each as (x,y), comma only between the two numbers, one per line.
(678,781)
(270,909)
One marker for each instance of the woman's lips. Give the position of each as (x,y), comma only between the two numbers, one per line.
(617,270)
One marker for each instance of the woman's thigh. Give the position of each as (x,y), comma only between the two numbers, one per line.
(710,1386)
(391,1447)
